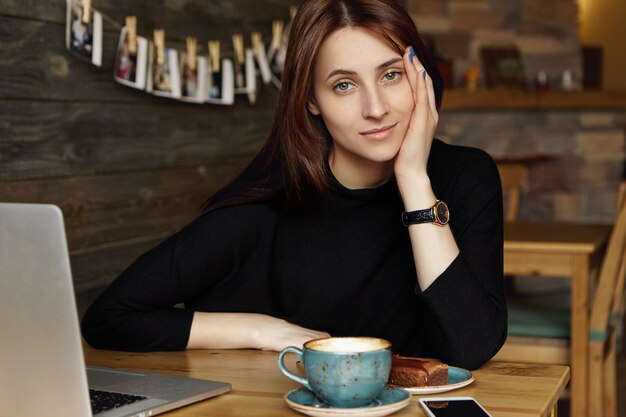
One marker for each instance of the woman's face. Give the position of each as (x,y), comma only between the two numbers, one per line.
(362,94)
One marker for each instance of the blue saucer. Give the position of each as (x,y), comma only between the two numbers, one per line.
(457,378)
(389,401)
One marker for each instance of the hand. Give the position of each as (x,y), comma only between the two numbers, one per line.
(276,334)
(410,163)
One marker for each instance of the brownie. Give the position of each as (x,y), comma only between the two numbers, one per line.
(413,372)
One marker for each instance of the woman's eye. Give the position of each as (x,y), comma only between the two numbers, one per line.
(391,76)
(342,86)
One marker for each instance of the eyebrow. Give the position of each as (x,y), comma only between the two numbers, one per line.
(378,68)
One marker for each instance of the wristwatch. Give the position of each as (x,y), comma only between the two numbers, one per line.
(437,214)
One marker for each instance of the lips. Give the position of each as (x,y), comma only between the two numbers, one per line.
(378,134)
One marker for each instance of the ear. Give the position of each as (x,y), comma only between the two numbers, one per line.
(313,108)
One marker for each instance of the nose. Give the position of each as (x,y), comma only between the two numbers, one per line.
(374,104)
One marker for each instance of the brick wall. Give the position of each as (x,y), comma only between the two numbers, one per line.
(544,31)
(576,157)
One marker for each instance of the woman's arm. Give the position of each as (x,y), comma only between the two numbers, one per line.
(460,273)
(434,247)
(246,330)
(465,306)
(218,263)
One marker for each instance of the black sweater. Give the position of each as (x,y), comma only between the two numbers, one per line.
(344,266)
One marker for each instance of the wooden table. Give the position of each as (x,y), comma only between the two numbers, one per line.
(569,250)
(258,385)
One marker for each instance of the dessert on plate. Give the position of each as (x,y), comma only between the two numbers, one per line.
(414,372)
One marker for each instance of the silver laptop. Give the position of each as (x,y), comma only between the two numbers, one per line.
(42,368)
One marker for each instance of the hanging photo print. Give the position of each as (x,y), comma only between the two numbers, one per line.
(261,58)
(250,88)
(245,70)
(84,31)
(193,73)
(220,79)
(221,84)
(240,61)
(163,70)
(214,76)
(278,48)
(132,56)
(276,64)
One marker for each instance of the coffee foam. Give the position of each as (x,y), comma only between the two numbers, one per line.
(347,344)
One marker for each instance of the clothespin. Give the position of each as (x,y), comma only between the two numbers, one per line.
(214,55)
(131,32)
(256,39)
(86,11)
(277,33)
(159,44)
(191,52)
(238,46)
(292,11)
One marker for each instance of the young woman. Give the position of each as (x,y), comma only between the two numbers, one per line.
(339,225)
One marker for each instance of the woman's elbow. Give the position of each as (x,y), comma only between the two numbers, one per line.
(473,354)
(490,347)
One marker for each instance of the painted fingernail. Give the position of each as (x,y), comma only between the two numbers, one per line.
(411,54)
(424,74)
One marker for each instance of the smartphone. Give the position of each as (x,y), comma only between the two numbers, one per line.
(452,407)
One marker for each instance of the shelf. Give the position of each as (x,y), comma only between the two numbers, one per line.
(502,99)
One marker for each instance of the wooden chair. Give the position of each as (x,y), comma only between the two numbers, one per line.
(606,314)
(538,334)
(514,177)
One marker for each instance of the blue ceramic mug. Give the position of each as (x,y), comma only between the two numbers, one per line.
(343,372)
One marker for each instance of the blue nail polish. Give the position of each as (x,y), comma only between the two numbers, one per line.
(411,54)
(424,74)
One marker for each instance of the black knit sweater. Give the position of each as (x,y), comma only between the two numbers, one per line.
(344,266)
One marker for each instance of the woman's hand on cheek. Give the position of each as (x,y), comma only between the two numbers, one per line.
(411,161)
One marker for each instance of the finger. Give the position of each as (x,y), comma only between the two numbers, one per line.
(431,95)
(413,59)
(422,98)
(416,75)
(411,70)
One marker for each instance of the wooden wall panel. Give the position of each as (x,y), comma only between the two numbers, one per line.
(42,139)
(102,208)
(90,272)
(128,169)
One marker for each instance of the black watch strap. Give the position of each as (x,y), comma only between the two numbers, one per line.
(417,217)
(437,214)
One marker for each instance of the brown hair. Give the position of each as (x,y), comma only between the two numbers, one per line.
(291,165)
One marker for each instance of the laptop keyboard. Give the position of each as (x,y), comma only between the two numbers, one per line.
(104,400)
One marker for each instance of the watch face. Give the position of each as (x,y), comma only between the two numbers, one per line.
(441,211)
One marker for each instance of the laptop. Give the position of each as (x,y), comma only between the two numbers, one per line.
(42,368)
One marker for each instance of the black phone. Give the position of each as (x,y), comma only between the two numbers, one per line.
(452,407)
